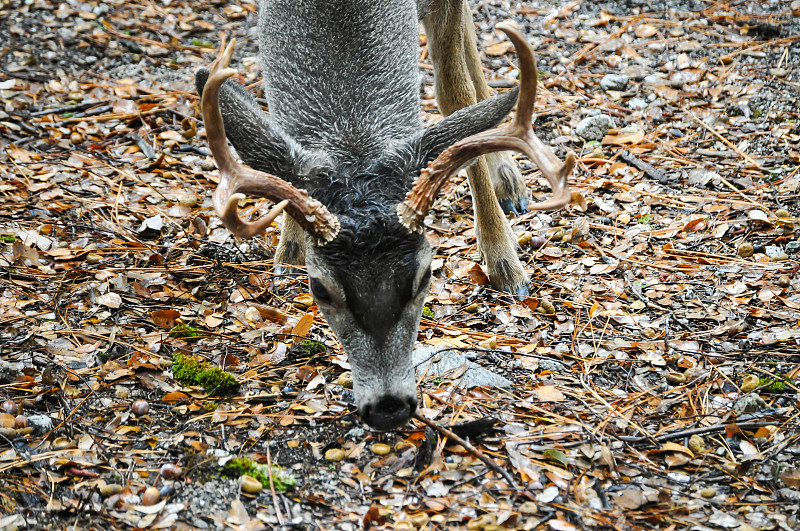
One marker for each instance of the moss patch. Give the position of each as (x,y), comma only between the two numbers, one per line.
(190,371)
(312,347)
(185,332)
(282,479)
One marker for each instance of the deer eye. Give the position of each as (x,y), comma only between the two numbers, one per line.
(424,282)
(320,293)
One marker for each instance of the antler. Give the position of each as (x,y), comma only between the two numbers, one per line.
(517,136)
(236,179)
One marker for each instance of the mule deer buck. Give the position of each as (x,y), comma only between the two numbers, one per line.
(344,150)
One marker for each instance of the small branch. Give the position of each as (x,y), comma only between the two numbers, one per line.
(469,448)
(272,489)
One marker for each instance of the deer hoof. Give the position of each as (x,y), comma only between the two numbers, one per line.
(508,184)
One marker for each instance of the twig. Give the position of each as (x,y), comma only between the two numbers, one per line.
(648,169)
(469,448)
(693,431)
(272,488)
(70,108)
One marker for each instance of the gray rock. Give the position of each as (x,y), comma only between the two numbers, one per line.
(41,424)
(793,247)
(446,363)
(552,366)
(749,403)
(614,82)
(637,104)
(594,127)
(774,251)
(8,372)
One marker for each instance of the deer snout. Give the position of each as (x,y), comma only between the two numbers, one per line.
(389,412)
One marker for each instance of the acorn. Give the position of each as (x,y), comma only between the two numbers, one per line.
(171,471)
(150,496)
(140,407)
(10,407)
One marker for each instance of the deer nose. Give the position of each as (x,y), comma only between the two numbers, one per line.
(389,412)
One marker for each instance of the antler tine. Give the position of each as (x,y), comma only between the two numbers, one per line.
(236,179)
(517,136)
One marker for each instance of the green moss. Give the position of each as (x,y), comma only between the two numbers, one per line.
(190,371)
(772,385)
(427,312)
(208,407)
(202,43)
(282,479)
(185,332)
(7,238)
(313,347)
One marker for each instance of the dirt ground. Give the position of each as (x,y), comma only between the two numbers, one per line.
(649,382)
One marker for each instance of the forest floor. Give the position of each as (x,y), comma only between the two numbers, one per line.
(650,381)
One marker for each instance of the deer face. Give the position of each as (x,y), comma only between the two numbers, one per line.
(372,297)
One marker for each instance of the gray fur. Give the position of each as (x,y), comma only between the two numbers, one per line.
(342,86)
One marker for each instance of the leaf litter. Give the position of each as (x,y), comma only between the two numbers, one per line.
(654,369)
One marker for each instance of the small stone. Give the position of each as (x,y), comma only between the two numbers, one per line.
(778,72)
(110,489)
(594,127)
(749,383)
(697,444)
(189,200)
(644,31)
(637,104)
(614,82)
(41,423)
(750,403)
(406,472)
(708,492)
(345,380)
(613,60)
(524,238)
(381,449)
(250,485)
(334,454)
(782,213)
(745,250)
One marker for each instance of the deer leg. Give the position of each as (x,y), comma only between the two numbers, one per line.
(506,178)
(291,249)
(444,28)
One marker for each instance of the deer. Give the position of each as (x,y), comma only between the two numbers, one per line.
(344,154)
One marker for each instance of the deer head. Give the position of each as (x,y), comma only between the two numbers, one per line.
(367,259)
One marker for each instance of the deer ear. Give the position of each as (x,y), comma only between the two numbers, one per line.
(261,144)
(464,123)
